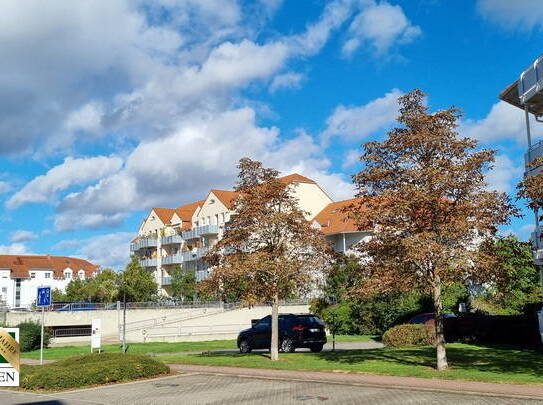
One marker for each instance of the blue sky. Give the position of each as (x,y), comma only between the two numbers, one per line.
(111,108)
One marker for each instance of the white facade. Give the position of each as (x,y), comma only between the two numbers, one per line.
(19,279)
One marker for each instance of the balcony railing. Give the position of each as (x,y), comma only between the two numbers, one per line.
(166,280)
(201,230)
(173,259)
(143,243)
(148,262)
(535,151)
(171,240)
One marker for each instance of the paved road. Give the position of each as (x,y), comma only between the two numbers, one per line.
(194,388)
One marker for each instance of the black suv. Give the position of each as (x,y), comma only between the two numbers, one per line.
(295,330)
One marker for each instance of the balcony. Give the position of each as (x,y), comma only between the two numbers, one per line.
(173,259)
(535,151)
(166,281)
(143,243)
(172,240)
(148,262)
(201,231)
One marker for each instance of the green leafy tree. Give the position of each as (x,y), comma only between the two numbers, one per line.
(139,284)
(183,284)
(78,290)
(105,286)
(513,294)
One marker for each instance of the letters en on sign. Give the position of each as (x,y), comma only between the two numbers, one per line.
(9,357)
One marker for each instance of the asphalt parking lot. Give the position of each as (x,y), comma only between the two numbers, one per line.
(196,388)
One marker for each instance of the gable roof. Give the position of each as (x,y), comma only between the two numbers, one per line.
(295,177)
(333,219)
(164,214)
(226,197)
(21,264)
(186,211)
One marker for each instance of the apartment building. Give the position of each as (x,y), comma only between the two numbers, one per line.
(21,275)
(181,236)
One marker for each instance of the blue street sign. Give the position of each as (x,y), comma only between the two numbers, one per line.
(44,297)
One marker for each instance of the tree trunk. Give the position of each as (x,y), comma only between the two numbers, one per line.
(440,330)
(274,346)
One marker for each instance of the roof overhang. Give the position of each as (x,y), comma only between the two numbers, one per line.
(510,95)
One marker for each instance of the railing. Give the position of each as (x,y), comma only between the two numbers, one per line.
(148,262)
(166,281)
(72,332)
(171,240)
(201,230)
(143,243)
(173,259)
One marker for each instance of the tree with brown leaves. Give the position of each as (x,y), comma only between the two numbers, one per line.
(423,192)
(531,187)
(269,251)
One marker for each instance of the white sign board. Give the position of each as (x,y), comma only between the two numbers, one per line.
(9,375)
(96,333)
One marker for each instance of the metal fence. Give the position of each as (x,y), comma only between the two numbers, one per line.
(100,306)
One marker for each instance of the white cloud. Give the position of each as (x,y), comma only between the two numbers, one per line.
(351,158)
(525,14)
(355,123)
(14,249)
(22,236)
(503,122)
(505,174)
(383,26)
(286,80)
(71,172)
(109,250)
(201,154)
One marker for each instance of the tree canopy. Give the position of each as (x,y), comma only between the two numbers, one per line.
(423,191)
(269,251)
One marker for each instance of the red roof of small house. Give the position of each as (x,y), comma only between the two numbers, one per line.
(20,265)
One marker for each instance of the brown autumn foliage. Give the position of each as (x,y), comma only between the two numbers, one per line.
(424,191)
(269,251)
(531,187)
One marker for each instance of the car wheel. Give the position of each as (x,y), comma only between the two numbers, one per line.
(287,345)
(245,347)
(316,348)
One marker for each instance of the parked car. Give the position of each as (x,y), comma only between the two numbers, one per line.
(427,317)
(295,330)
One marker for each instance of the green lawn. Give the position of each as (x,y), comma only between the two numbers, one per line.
(56,353)
(469,362)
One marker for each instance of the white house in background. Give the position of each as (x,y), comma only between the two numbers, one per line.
(181,236)
(21,275)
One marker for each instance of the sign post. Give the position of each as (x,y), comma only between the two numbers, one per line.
(43,300)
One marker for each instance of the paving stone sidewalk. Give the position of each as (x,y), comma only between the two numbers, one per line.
(441,385)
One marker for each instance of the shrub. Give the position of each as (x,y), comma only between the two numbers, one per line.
(409,335)
(30,336)
(90,369)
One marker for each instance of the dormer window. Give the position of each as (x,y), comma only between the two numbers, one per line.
(81,274)
(67,274)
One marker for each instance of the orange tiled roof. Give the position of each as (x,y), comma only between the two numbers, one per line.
(21,264)
(165,214)
(226,197)
(295,177)
(186,211)
(332,219)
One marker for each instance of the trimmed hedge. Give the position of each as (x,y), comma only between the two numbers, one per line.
(90,369)
(30,336)
(410,335)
